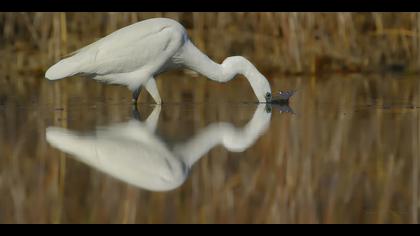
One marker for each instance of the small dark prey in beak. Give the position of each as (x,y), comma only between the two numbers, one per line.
(279,98)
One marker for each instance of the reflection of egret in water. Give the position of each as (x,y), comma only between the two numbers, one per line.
(132,152)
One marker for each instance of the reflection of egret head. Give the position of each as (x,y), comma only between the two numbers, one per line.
(133,153)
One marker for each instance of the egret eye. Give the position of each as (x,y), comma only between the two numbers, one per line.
(268,96)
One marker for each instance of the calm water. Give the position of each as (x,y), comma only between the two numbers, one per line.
(346,152)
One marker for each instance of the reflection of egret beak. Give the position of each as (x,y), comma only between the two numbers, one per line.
(283,107)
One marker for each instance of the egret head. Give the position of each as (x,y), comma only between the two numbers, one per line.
(268,97)
(240,65)
(262,89)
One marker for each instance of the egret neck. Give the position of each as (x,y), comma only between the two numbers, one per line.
(240,65)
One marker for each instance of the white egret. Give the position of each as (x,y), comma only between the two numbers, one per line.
(134,55)
(133,153)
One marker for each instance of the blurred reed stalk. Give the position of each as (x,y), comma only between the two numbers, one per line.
(292,43)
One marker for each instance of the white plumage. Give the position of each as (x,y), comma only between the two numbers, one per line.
(134,55)
(133,153)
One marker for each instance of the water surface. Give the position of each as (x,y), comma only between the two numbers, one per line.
(75,152)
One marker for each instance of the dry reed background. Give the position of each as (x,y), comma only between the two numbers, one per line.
(289,42)
(350,155)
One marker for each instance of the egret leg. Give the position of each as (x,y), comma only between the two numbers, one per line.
(152,121)
(153,91)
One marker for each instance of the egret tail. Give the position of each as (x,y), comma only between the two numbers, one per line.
(62,69)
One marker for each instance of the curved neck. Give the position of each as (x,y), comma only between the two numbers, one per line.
(195,60)
(232,138)
(240,65)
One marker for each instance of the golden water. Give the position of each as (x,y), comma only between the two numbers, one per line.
(348,154)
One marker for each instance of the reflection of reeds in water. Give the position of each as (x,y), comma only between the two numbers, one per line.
(287,42)
(349,155)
